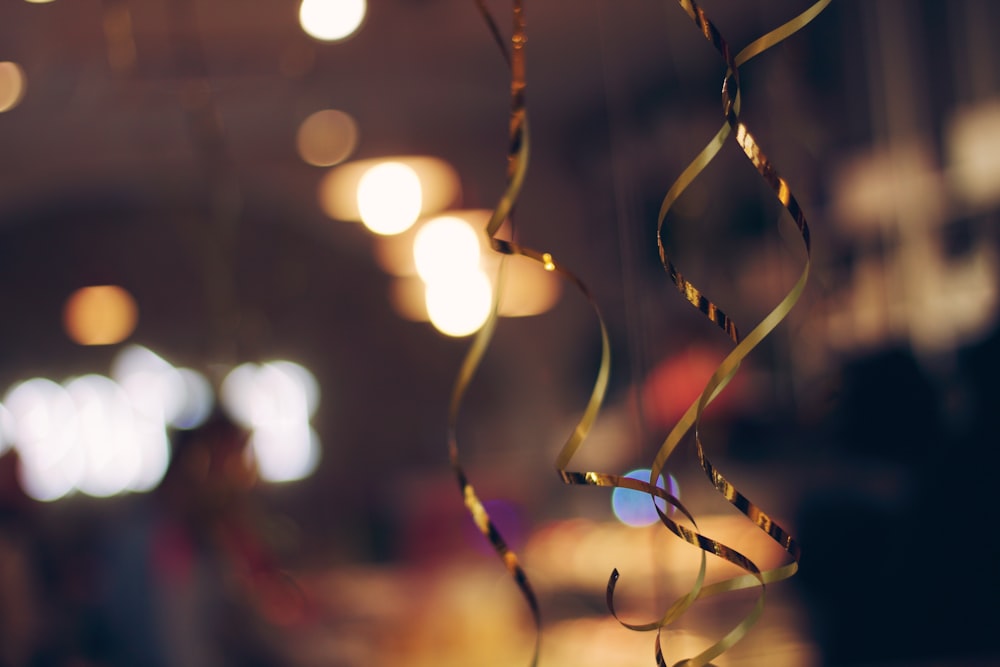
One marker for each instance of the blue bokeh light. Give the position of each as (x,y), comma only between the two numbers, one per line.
(634,508)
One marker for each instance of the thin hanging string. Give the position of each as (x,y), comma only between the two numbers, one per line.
(214,244)
(627,215)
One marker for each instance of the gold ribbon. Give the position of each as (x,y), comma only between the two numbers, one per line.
(730,365)
(517,162)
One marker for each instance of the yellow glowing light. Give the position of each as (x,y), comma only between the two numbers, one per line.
(459,307)
(327,137)
(38,2)
(446,247)
(338,190)
(408,296)
(528,287)
(12,82)
(394,254)
(331,20)
(100,315)
(389,198)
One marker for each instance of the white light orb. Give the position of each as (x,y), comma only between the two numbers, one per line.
(446,247)
(331,20)
(389,198)
(460,307)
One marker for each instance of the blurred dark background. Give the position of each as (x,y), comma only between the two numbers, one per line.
(153,146)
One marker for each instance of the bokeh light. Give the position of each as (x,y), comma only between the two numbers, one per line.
(45,434)
(198,400)
(445,247)
(106,435)
(6,430)
(327,137)
(338,190)
(12,85)
(408,296)
(635,508)
(528,289)
(331,20)
(394,254)
(155,388)
(459,307)
(100,315)
(389,198)
(276,400)
(285,453)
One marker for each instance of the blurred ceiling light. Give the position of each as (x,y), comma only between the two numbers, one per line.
(445,247)
(339,189)
(12,84)
(45,435)
(276,400)
(635,508)
(327,137)
(154,386)
(331,20)
(449,246)
(408,296)
(106,435)
(154,454)
(100,315)
(285,454)
(197,403)
(459,307)
(389,198)
(528,289)
(394,254)
(884,187)
(39,2)
(972,139)
(6,430)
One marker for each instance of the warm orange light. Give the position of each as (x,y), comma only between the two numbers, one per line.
(100,315)
(446,247)
(528,288)
(459,307)
(338,191)
(389,198)
(408,296)
(327,137)
(12,82)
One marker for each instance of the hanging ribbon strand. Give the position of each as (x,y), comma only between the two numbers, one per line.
(743,346)
(517,162)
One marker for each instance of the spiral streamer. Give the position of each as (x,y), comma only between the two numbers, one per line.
(517,162)
(743,346)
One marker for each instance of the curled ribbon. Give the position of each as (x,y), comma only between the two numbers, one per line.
(517,161)
(743,346)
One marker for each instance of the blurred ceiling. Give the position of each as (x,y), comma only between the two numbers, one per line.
(175,174)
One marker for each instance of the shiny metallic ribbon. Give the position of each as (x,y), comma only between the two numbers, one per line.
(517,163)
(730,365)
(518,153)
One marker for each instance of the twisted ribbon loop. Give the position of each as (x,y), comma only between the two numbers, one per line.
(517,162)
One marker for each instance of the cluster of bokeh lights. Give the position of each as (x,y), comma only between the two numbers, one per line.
(105,436)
